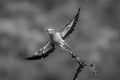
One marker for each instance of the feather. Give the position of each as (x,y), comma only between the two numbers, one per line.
(44,55)
(70,27)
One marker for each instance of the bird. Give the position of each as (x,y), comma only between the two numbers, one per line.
(58,38)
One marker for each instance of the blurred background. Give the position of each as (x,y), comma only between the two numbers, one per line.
(23,25)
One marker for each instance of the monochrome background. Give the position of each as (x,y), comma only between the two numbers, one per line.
(23,25)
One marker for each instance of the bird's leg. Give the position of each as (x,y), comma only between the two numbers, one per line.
(42,49)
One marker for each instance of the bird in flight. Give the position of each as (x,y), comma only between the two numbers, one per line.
(58,39)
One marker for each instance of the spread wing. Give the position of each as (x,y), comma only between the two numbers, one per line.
(69,28)
(43,55)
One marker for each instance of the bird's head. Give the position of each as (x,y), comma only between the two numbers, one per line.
(50,31)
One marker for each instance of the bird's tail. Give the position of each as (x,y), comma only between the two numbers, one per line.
(66,45)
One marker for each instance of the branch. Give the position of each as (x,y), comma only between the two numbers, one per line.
(77,72)
(82,64)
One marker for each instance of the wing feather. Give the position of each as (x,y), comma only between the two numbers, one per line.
(69,28)
(44,55)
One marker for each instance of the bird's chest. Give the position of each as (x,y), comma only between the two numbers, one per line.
(56,38)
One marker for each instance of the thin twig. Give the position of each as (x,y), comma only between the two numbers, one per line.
(82,64)
(78,71)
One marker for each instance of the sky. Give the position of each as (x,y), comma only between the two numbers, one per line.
(23,30)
